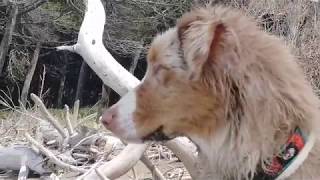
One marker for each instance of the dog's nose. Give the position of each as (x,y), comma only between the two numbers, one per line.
(109,116)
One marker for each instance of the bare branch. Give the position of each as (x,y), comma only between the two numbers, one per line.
(23,173)
(68,122)
(91,48)
(27,82)
(155,171)
(7,37)
(44,111)
(103,177)
(185,151)
(52,157)
(136,59)
(121,163)
(67,48)
(75,113)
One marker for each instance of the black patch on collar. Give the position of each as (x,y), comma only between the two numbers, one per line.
(157,135)
(282,161)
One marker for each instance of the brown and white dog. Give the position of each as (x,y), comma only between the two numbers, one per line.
(233,89)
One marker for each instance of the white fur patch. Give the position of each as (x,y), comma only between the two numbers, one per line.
(126,107)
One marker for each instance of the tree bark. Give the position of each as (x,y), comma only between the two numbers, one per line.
(27,82)
(7,37)
(81,81)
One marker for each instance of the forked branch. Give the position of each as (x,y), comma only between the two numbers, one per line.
(91,48)
(46,114)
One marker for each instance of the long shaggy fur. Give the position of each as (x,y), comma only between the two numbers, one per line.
(233,89)
(265,96)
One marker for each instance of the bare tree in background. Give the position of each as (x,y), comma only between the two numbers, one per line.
(27,82)
(62,79)
(7,37)
(81,80)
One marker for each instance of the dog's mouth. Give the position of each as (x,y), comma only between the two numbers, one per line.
(157,135)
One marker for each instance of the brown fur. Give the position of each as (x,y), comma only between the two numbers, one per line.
(235,90)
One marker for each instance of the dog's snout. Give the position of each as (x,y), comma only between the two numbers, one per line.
(109,116)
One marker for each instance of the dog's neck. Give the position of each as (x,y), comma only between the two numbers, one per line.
(225,161)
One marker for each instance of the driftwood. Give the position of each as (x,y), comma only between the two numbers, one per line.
(13,157)
(27,82)
(68,148)
(91,48)
(7,37)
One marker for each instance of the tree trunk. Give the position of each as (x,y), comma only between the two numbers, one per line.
(81,81)
(27,82)
(7,37)
(62,80)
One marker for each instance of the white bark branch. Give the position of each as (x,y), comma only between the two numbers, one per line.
(52,157)
(91,48)
(44,111)
(67,48)
(75,113)
(154,170)
(120,164)
(68,121)
(185,151)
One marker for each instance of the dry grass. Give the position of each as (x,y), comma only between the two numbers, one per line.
(298,23)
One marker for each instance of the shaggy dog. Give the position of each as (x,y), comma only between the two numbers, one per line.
(234,90)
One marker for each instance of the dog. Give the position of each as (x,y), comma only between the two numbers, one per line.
(234,90)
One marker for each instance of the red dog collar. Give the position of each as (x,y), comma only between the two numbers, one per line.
(293,153)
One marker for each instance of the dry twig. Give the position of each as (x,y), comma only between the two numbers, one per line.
(68,121)
(52,157)
(44,111)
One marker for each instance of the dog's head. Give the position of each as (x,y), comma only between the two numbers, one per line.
(182,92)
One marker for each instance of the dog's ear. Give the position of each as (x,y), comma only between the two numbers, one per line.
(206,43)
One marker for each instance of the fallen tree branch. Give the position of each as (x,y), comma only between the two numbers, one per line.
(52,157)
(44,111)
(23,173)
(101,175)
(68,121)
(185,150)
(120,164)
(154,170)
(93,167)
(15,156)
(75,113)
